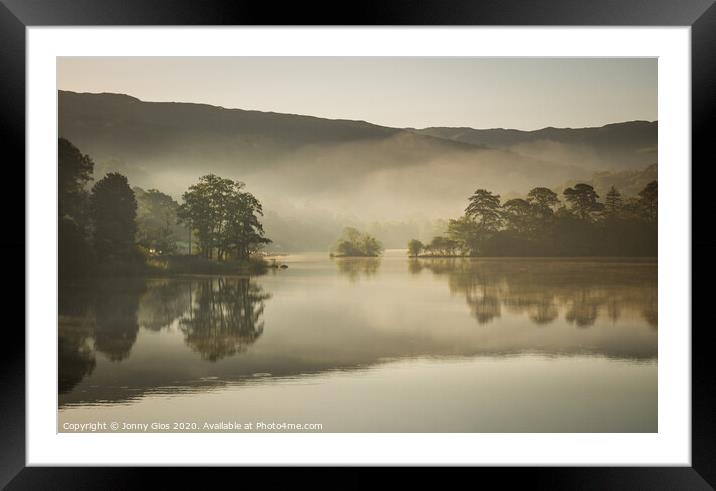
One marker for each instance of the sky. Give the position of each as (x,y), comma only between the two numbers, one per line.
(416,92)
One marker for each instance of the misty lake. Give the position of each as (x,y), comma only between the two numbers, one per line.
(386,344)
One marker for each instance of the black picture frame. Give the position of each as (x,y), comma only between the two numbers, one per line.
(17,15)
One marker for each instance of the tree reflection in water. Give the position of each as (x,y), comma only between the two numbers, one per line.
(355,267)
(75,351)
(225,317)
(116,325)
(95,318)
(75,356)
(541,289)
(219,317)
(164,301)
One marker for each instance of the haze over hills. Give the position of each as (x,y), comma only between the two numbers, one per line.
(316,175)
(628,182)
(618,146)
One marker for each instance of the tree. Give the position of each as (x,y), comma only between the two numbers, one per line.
(371,246)
(649,197)
(156,221)
(583,200)
(415,247)
(517,213)
(114,211)
(355,243)
(533,226)
(632,208)
(243,233)
(543,198)
(203,210)
(225,218)
(613,202)
(543,202)
(485,207)
(75,256)
(443,246)
(466,234)
(74,172)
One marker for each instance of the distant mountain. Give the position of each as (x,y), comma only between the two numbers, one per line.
(615,146)
(152,128)
(314,175)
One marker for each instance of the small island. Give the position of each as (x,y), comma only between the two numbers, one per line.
(354,243)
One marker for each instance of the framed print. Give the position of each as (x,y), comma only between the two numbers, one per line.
(428,235)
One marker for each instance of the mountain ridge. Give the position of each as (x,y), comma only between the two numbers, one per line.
(119,95)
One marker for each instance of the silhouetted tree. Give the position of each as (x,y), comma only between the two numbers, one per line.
(517,215)
(613,202)
(202,210)
(156,221)
(583,200)
(74,172)
(649,200)
(243,233)
(442,246)
(114,212)
(485,208)
(75,255)
(543,198)
(415,247)
(224,217)
(465,231)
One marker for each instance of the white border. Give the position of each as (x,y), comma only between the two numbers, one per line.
(670,446)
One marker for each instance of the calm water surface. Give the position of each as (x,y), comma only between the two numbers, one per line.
(371,345)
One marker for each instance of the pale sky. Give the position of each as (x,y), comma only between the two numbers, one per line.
(520,93)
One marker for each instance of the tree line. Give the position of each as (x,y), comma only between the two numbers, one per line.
(111,228)
(543,225)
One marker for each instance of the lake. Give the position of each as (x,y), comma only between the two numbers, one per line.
(386,344)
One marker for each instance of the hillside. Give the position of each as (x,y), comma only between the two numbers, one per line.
(628,182)
(618,146)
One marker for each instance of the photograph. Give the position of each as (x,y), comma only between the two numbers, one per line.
(357,244)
